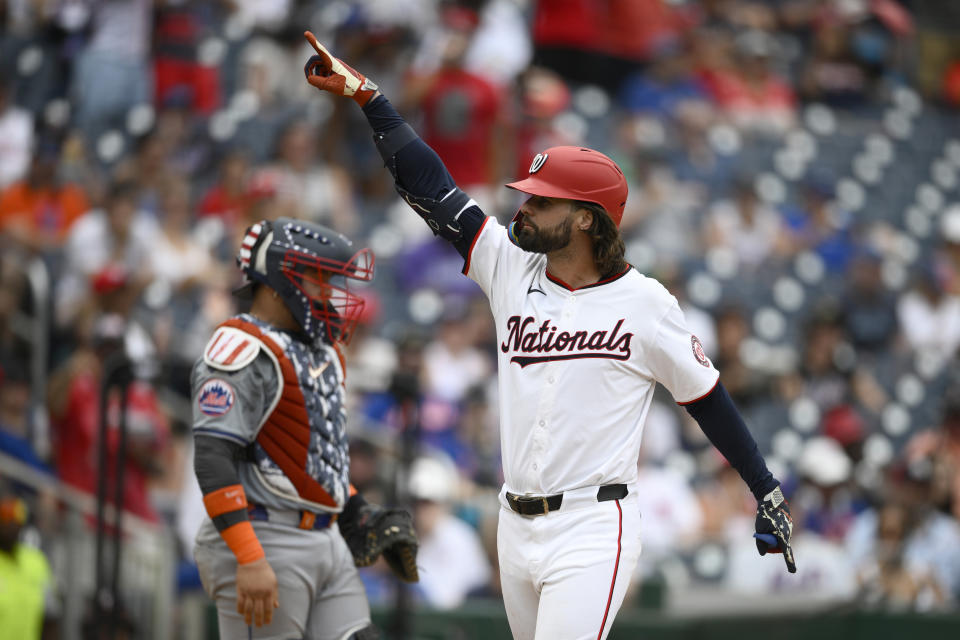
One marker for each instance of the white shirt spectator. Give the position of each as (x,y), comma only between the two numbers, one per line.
(451,373)
(930,327)
(177,264)
(122,27)
(90,248)
(671,513)
(752,240)
(16,143)
(452,562)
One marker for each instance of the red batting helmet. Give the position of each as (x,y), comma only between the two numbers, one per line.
(577,173)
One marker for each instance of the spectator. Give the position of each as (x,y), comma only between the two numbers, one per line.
(823,377)
(304,187)
(930,317)
(112,74)
(119,234)
(754,98)
(869,308)
(462,112)
(938,25)
(885,580)
(177,68)
(226,200)
(746,226)
(16,136)
(76,410)
(823,502)
(832,74)
(16,427)
(542,96)
(911,551)
(499,48)
(451,558)
(26,597)
(819,225)
(177,259)
(39,211)
(665,86)
(452,362)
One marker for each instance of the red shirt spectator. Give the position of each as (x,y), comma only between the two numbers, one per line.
(568,23)
(749,92)
(179,76)
(77,429)
(460,115)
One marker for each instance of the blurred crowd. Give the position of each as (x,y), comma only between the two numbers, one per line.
(793,169)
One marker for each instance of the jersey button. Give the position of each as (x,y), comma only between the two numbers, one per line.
(543,423)
(535,467)
(550,379)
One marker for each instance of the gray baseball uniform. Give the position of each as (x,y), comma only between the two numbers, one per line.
(250,377)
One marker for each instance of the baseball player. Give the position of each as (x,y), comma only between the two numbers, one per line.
(583,338)
(271,452)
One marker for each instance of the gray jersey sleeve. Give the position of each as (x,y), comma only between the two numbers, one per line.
(232,404)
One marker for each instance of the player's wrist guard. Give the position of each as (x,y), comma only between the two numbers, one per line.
(774,527)
(370,531)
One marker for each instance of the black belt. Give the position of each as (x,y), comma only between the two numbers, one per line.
(539,505)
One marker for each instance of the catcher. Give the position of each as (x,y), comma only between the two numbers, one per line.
(271,451)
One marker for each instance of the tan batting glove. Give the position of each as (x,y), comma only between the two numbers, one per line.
(332,74)
(257,592)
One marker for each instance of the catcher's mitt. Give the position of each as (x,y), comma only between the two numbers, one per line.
(371,530)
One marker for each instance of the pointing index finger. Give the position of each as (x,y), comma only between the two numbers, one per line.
(312,39)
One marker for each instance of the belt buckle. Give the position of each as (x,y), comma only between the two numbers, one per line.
(546,505)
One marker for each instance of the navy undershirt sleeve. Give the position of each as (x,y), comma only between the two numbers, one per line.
(726,430)
(420,170)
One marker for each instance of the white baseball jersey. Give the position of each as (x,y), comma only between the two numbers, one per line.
(578,366)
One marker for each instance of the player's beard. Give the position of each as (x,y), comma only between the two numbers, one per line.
(537,240)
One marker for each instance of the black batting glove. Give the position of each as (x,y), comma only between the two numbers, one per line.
(775,527)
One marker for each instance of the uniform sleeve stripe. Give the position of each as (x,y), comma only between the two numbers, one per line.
(221,434)
(466,264)
(704,395)
(236,352)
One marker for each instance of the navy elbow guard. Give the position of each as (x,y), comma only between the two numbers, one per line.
(442,216)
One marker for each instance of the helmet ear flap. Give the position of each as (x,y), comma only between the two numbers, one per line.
(252,254)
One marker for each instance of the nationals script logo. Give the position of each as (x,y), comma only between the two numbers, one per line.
(550,344)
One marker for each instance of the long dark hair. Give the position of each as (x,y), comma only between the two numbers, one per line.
(608,248)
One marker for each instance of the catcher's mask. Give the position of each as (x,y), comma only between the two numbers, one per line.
(309,266)
(574,173)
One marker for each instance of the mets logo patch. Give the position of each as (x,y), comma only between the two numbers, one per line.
(215,398)
(698,351)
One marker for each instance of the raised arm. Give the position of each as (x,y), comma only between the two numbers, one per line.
(420,176)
